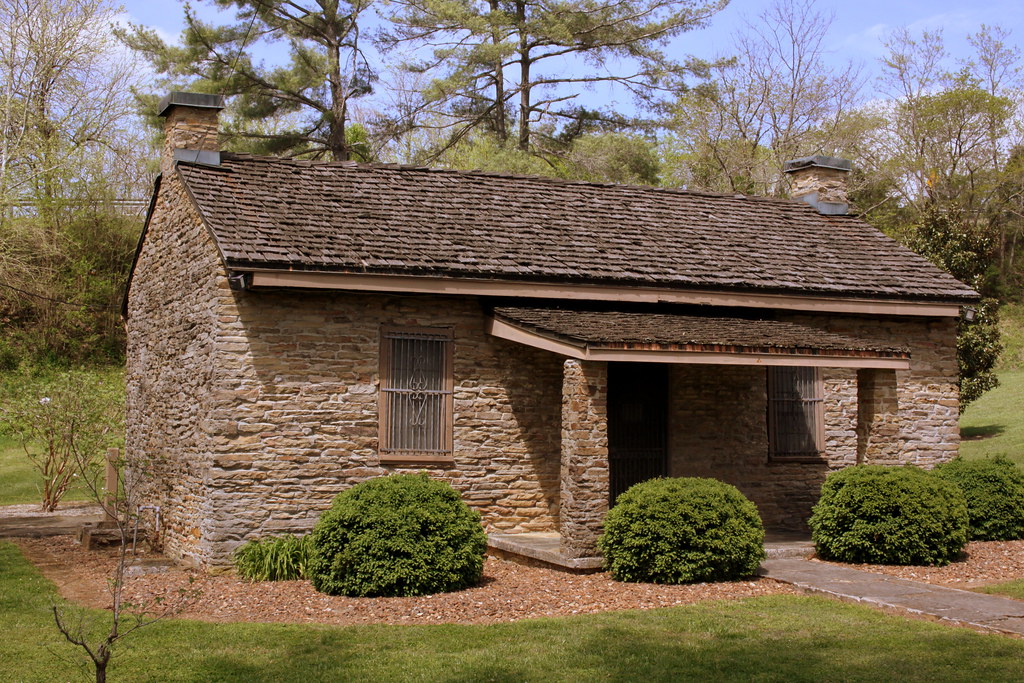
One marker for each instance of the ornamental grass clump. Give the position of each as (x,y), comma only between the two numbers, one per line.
(681,531)
(889,515)
(275,558)
(994,491)
(400,535)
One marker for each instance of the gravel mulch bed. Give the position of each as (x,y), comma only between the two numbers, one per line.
(985,563)
(509,592)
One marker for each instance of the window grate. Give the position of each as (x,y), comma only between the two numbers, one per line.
(795,413)
(416,392)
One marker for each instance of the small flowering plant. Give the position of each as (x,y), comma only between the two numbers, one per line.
(65,421)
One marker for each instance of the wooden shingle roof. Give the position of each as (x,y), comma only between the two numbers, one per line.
(632,328)
(271,213)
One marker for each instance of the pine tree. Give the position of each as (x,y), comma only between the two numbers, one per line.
(490,56)
(299,108)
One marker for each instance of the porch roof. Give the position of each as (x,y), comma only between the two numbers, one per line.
(673,337)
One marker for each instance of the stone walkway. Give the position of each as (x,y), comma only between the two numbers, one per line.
(988,612)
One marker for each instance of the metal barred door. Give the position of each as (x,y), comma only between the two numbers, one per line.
(637,424)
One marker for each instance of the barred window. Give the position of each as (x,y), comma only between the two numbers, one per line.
(796,428)
(416,394)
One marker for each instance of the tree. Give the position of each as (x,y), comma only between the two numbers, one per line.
(942,172)
(775,100)
(99,636)
(71,179)
(307,101)
(64,422)
(965,251)
(613,158)
(489,58)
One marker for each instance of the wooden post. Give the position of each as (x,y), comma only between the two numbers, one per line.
(110,488)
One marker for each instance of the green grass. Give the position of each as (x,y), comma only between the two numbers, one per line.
(1011,331)
(1011,589)
(19,482)
(779,638)
(994,424)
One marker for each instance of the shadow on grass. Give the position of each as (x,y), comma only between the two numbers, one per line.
(981,432)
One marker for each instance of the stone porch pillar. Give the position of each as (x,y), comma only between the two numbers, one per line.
(584,475)
(879,432)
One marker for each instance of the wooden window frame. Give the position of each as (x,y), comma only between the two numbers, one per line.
(385,451)
(819,418)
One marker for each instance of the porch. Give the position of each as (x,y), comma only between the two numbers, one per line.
(656,391)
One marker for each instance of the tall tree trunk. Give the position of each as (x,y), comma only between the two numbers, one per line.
(524,78)
(337,143)
(500,129)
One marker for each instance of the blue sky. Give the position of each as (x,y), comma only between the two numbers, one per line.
(856,31)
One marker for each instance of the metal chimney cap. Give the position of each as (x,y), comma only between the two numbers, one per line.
(190,99)
(817,161)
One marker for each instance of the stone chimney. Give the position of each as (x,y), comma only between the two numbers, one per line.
(190,129)
(821,182)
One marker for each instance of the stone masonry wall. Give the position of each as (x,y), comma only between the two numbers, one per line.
(584,456)
(294,420)
(718,426)
(172,322)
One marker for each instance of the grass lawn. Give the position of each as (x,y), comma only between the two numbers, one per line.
(994,424)
(1011,589)
(780,638)
(19,482)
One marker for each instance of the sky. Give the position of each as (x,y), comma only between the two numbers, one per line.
(856,30)
(856,35)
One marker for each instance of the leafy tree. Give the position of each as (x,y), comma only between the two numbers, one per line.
(502,64)
(64,421)
(307,101)
(942,173)
(613,158)
(966,252)
(776,99)
(71,180)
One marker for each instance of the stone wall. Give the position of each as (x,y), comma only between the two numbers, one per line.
(927,417)
(718,427)
(295,417)
(171,361)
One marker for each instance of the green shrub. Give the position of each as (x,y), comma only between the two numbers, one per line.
(889,515)
(397,535)
(275,558)
(682,530)
(994,490)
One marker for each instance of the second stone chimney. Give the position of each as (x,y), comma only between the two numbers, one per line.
(821,182)
(190,129)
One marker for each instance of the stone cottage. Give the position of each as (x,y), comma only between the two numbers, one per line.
(296,327)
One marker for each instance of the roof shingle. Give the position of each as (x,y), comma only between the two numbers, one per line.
(359,218)
(633,329)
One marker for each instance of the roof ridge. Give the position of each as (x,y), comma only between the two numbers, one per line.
(232,156)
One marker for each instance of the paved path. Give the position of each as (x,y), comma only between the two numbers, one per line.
(962,607)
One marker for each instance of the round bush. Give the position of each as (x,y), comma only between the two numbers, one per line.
(994,490)
(680,531)
(889,515)
(398,535)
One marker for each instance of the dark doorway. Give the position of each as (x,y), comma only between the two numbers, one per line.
(637,424)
